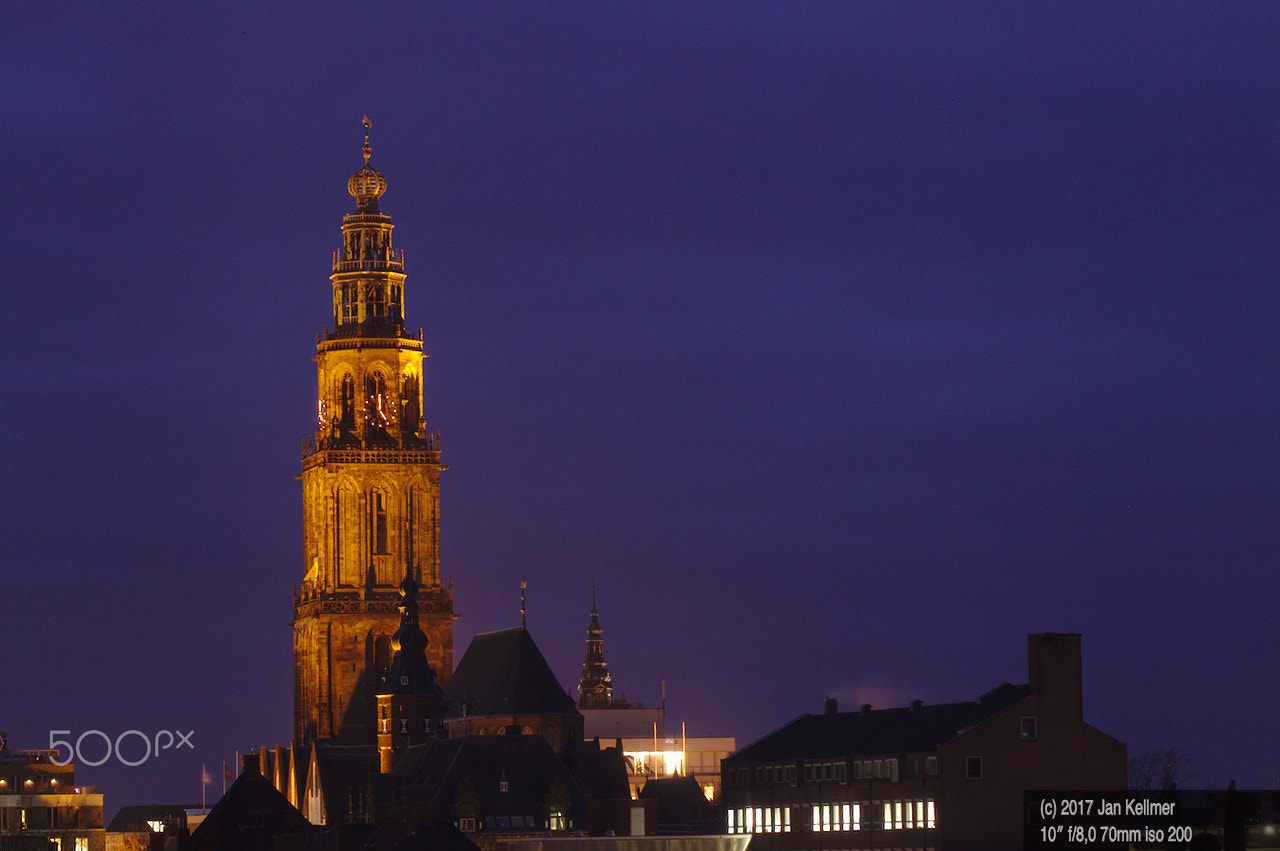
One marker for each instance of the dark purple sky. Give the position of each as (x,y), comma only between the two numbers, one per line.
(846,344)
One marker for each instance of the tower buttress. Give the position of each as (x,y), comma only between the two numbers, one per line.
(371,488)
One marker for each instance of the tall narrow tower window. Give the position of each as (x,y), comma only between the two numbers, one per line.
(348,304)
(347,406)
(409,411)
(378,523)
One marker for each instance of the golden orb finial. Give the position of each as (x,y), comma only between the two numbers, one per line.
(367,184)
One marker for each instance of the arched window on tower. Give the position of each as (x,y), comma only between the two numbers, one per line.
(347,407)
(378,523)
(375,300)
(344,513)
(409,411)
(348,306)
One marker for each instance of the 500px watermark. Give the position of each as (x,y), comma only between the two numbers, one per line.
(122,744)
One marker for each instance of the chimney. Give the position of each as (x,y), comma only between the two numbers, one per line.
(865,708)
(916,704)
(829,705)
(249,764)
(1053,668)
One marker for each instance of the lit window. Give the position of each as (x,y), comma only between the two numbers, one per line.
(897,815)
(844,816)
(729,824)
(759,827)
(973,768)
(857,817)
(888,815)
(928,808)
(750,823)
(817,818)
(1028,727)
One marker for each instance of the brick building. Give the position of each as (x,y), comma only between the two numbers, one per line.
(945,776)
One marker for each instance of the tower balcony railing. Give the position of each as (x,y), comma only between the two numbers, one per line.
(393,262)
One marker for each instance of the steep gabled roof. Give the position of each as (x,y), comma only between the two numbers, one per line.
(504,673)
(527,764)
(249,816)
(916,728)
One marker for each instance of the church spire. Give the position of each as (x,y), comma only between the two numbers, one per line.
(409,672)
(409,701)
(595,687)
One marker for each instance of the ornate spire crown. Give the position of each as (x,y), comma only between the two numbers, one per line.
(367,185)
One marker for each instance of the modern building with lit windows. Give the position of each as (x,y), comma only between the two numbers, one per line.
(41,807)
(948,777)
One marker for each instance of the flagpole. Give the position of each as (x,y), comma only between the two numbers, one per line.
(204,784)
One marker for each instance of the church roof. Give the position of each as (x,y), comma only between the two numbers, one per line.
(918,727)
(504,673)
(249,816)
(507,777)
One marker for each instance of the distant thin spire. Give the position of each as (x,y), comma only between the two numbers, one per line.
(523,586)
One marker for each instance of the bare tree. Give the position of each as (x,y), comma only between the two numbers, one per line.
(1160,770)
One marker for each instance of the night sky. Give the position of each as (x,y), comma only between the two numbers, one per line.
(844,344)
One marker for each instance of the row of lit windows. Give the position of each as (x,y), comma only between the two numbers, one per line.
(556,820)
(843,817)
(833,772)
(759,820)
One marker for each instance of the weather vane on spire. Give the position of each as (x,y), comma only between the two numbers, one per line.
(367,150)
(523,585)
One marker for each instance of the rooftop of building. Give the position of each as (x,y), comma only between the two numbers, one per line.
(917,727)
(504,673)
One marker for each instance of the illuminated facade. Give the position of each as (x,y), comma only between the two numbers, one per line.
(698,757)
(371,490)
(41,806)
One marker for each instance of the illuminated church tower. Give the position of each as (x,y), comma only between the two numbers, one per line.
(371,490)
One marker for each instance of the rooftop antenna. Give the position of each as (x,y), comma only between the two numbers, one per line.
(593,594)
(523,585)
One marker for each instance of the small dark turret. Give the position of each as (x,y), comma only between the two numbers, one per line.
(410,701)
